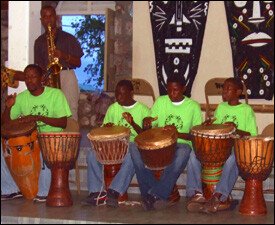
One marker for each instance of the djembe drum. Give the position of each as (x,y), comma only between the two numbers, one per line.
(22,155)
(60,151)
(157,148)
(254,157)
(110,145)
(212,144)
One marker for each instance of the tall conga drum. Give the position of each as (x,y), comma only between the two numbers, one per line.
(213,145)
(22,155)
(157,148)
(60,151)
(254,157)
(110,144)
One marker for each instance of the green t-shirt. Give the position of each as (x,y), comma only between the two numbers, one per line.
(138,112)
(184,116)
(51,103)
(242,115)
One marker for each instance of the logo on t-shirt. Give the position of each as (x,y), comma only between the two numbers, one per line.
(40,110)
(228,118)
(174,120)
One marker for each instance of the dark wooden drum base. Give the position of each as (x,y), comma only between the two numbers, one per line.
(253,202)
(175,195)
(59,193)
(110,172)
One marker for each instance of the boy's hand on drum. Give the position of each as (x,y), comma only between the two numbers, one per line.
(28,119)
(170,127)
(231,124)
(209,121)
(147,122)
(108,125)
(10,100)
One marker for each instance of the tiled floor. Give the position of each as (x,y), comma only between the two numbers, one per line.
(24,211)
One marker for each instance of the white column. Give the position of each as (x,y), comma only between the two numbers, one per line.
(24,28)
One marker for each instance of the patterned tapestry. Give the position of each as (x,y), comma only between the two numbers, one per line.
(251,27)
(178,29)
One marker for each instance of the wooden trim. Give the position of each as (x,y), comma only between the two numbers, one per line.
(256,108)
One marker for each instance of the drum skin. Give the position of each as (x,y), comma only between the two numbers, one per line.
(255,156)
(21,151)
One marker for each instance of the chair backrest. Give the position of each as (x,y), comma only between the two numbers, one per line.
(213,87)
(143,87)
(72,125)
(268,130)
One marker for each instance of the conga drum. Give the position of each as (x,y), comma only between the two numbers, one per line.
(110,145)
(60,151)
(254,157)
(157,148)
(22,155)
(213,145)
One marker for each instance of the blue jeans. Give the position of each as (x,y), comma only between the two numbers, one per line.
(121,181)
(162,188)
(227,181)
(8,185)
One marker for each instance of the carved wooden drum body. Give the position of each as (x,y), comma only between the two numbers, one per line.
(22,155)
(157,147)
(254,157)
(60,151)
(213,145)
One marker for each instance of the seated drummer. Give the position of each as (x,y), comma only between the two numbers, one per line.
(173,111)
(47,107)
(124,112)
(9,187)
(241,115)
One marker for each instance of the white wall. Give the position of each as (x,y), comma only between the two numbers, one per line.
(24,28)
(215,61)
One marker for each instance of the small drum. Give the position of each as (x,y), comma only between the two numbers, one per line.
(22,155)
(157,148)
(212,145)
(60,151)
(110,145)
(254,157)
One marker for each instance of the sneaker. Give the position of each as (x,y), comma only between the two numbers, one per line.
(152,202)
(95,199)
(112,198)
(11,196)
(214,204)
(196,202)
(40,199)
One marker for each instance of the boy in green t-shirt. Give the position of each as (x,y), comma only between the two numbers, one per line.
(47,107)
(124,112)
(231,110)
(177,112)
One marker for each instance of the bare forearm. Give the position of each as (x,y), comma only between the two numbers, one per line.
(185,136)
(56,122)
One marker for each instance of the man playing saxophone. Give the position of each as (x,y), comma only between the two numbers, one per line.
(59,53)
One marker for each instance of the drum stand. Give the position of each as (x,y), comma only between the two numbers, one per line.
(253,202)
(110,171)
(59,193)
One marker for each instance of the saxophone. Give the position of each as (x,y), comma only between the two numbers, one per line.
(54,67)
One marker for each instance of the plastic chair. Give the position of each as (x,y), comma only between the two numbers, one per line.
(268,130)
(213,87)
(143,87)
